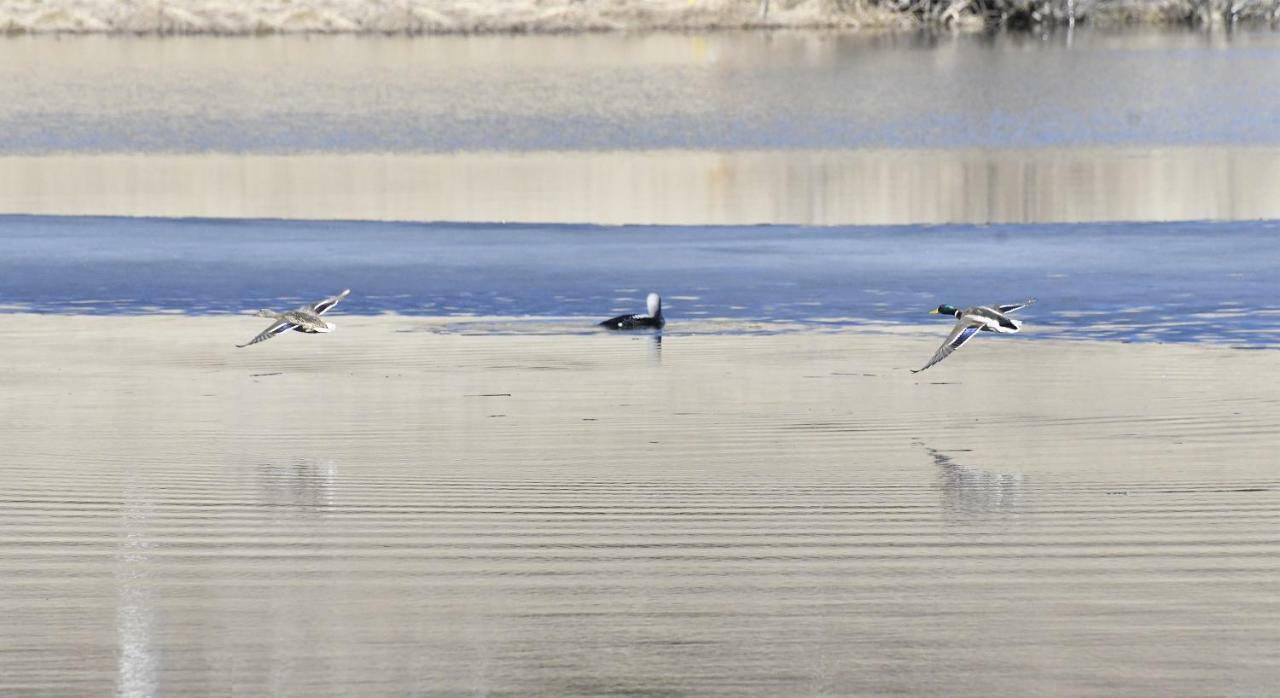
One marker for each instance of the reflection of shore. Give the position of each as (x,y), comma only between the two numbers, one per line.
(969,492)
(668,187)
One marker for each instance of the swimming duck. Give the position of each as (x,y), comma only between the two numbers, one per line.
(631,322)
(305,319)
(970,321)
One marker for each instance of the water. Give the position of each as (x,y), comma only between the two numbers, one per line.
(375,511)
(729,128)
(468,489)
(726,91)
(854,187)
(1189,282)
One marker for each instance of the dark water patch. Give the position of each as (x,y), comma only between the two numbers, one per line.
(1177,282)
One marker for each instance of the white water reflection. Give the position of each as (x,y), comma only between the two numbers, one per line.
(135,604)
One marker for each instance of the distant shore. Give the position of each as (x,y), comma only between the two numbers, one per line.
(253,17)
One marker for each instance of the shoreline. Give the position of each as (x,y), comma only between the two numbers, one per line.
(575,328)
(454,17)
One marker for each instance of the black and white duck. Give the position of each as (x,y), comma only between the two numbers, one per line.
(653,319)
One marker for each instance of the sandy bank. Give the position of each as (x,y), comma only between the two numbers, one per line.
(858,187)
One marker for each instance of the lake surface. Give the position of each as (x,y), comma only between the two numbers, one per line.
(730,128)
(1188,282)
(467,489)
(724,91)
(687,188)
(387,510)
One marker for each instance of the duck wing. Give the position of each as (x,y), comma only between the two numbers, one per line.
(961,333)
(305,321)
(1015,306)
(327,304)
(277,327)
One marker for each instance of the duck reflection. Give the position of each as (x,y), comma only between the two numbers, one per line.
(302,485)
(969,492)
(655,350)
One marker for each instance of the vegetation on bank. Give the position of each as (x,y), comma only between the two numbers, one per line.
(527,16)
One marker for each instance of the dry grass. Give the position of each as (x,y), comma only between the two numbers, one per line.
(521,16)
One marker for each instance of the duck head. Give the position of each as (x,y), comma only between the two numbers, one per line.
(267,313)
(945,309)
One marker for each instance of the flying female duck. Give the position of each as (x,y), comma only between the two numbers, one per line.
(305,319)
(970,321)
(632,322)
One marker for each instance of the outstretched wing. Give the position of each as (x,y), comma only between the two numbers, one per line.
(278,327)
(325,305)
(1015,306)
(961,333)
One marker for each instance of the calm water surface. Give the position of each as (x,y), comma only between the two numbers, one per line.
(1185,282)
(729,128)
(726,91)
(380,512)
(407,507)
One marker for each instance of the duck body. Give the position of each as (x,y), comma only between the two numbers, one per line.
(305,319)
(307,322)
(633,322)
(972,320)
(989,319)
(654,319)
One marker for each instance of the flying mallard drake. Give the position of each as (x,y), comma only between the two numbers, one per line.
(305,319)
(971,321)
(631,322)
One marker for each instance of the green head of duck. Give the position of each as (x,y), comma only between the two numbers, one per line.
(945,309)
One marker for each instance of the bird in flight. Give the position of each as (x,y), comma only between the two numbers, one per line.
(305,319)
(971,321)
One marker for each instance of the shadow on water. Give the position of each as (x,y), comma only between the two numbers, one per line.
(970,493)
